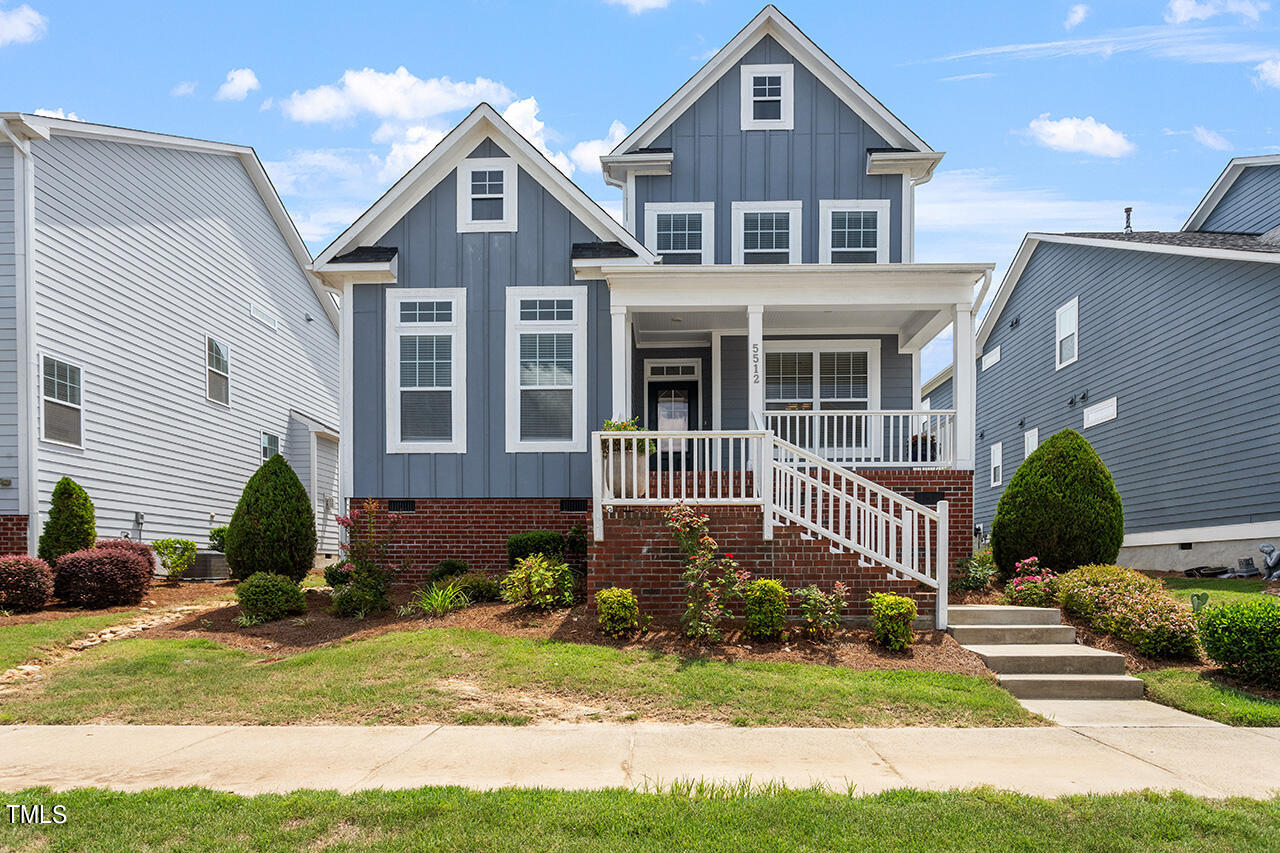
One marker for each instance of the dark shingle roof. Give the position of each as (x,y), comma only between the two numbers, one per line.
(603,249)
(367,255)
(1189,239)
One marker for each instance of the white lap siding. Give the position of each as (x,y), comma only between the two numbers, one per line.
(8,335)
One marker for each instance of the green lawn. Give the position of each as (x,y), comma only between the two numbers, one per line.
(1220,591)
(614,820)
(420,676)
(1199,694)
(27,641)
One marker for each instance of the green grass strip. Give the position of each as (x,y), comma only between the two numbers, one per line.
(1199,694)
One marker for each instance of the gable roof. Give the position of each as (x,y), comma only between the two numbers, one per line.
(1218,191)
(771,22)
(483,122)
(42,127)
(939,378)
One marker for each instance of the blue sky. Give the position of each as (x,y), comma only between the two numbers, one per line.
(1054,115)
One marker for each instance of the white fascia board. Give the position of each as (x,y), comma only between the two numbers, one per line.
(338,276)
(484,121)
(616,167)
(939,378)
(772,22)
(1224,182)
(1010,280)
(918,166)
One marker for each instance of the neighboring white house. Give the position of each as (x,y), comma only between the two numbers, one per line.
(159,333)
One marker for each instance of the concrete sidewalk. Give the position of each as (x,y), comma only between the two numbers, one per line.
(1211,761)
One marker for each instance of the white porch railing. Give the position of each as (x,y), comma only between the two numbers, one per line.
(663,468)
(871,439)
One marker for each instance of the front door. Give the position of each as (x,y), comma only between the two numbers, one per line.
(673,407)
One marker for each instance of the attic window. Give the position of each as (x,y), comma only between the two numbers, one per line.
(767,97)
(487,194)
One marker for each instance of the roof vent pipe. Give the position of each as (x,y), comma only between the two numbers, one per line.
(1128,220)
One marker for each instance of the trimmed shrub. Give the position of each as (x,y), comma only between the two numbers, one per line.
(337,574)
(359,600)
(101,577)
(1092,593)
(448,569)
(1244,639)
(218,539)
(133,546)
(1061,504)
(26,583)
(265,597)
(618,612)
(891,619)
(1158,626)
(478,587)
(176,555)
(539,581)
(545,542)
(820,611)
(764,602)
(1131,606)
(975,573)
(273,529)
(70,526)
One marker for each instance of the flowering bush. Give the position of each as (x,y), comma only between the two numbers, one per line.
(975,573)
(337,574)
(891,619)
(1031,590)
(820,611)
(1093,593)
(101,577)
(710,580)
(1157,626)
(1130,606)
(369,561)
(26,583)
(629,425)
(539,581)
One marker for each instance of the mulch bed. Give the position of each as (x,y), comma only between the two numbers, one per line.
(159,596)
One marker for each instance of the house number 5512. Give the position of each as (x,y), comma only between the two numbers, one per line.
(755,364)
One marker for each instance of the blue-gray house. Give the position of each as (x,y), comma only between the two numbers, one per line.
(1159,347)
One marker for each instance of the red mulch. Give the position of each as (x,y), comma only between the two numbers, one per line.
(160,595)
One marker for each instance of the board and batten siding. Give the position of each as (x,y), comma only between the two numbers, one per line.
(824,157)
(433,254)
(8,333)
(1251,205)
(141,251)
(1176,340)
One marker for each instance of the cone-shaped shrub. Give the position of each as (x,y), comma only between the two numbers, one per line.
(70,526)
(273,529)
(1061,506)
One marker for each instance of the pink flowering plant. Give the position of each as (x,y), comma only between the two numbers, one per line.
(369,562)
(1031,585)
(710,579)
(1131,606)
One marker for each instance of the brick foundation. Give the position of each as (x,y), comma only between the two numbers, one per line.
(13,534)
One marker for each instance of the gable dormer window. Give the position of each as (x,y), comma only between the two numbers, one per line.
(487,194)
(767,97)
(854,232)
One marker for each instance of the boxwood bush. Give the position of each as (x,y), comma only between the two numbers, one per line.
(891,619)
(448,568)
(618,612)
(539,581)
(264,597)
(273,529)
(478,587)
(71,524)
(1244,639)
(1060,505)
(764,603)
(26,583)
(546,542)
(101,577)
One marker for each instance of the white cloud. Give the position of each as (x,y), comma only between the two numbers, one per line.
(636,7)
(266,105)
(240,82)
(1075,16)
(1182,11)
(1210,138)
(186,87)
(523,116)
(986,75)
(1268,73)
(397,95)
(58,113)
(411,146)
(586,155)
(1086,135)
(1183,44)
(22,25)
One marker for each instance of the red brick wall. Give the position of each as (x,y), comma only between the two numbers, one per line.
(13,534)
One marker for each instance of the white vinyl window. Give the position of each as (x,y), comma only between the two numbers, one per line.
(1030,441)
(546,369)
(63,409)
(217,371)
(766,232)
(1066,347)
(680,233)
(426,370)
(997,463)
(822,376)
(768,101)
(854,231)
(270,445)
(487,194)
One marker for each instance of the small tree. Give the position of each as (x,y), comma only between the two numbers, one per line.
(1061,506)
(70,526)
(273,529)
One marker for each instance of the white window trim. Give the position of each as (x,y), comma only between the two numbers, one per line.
(578,327)
(1030,441)
(696,376)
(207,368)
(870,346)
(510,205)
(43,420)
(787,119)
(456,329)
(991,357)
(260,314)
(997,464)
(826,207)
(706,208)
(1099,413)
(795,236)
(1074,308)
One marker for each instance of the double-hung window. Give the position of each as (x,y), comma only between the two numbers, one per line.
(766,232)
(854,231)
(822,376)
(426,370)
(997,463)
(681,233)
(217,386)
(270,445)
(63,411)
(767,97)
(546,369)
(487,194)
(1066,345)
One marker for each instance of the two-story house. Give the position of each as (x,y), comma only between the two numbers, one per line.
(160,335)
(758,307)
(1156,346)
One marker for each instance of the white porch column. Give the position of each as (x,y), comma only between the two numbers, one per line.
(619,360)
(755,362)
(964,387)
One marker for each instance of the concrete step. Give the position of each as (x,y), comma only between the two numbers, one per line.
(1006,634)
(1048,659)
(1073,686)
(999,614)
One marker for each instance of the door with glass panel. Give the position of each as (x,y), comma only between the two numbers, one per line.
(672,407)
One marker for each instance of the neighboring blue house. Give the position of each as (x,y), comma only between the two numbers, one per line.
(1160,348)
